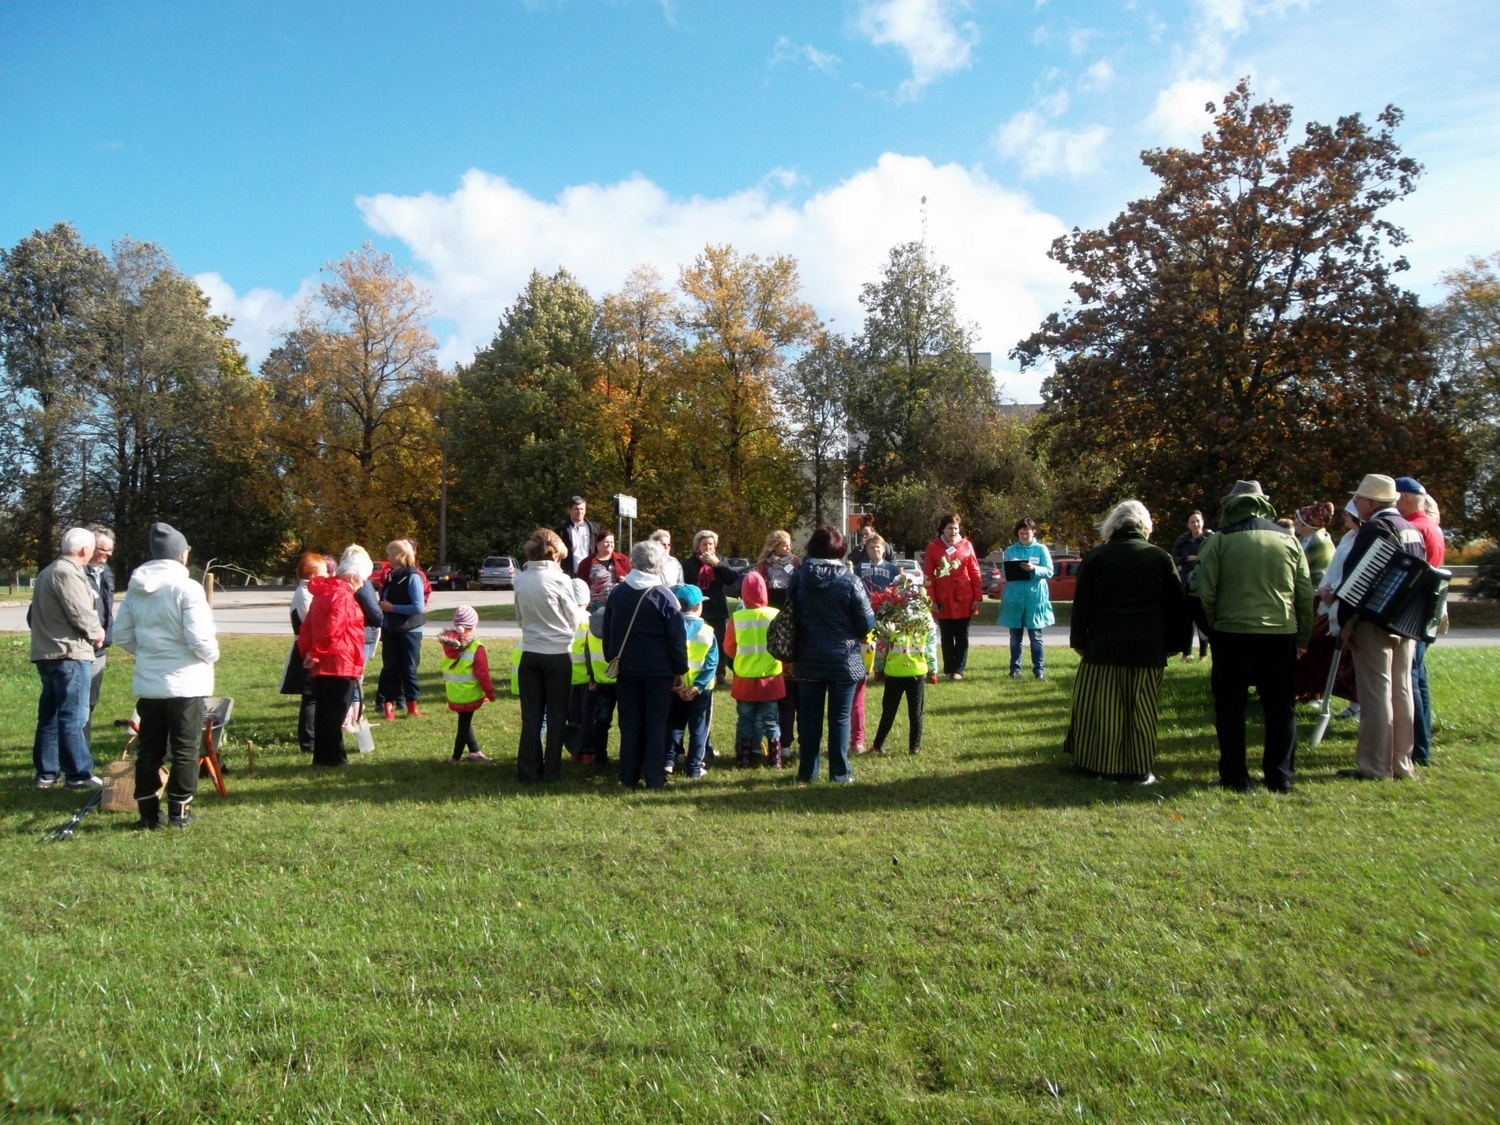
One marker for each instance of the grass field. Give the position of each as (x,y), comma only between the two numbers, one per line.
(976,934)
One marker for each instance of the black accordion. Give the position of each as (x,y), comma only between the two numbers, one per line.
(1398,591)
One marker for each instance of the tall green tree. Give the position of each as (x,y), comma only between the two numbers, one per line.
(51,287)
(924,415)
(524,419)
(815,404)
(1245,321)
(177,426)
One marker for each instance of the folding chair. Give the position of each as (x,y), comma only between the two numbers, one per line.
(216,712)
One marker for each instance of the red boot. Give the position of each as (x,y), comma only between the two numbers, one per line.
(412,712)
(388,712)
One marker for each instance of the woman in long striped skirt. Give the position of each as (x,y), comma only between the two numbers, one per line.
(1129,615)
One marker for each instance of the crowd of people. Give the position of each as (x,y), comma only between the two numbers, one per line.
(646,641)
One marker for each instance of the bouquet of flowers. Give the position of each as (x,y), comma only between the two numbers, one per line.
(901,608)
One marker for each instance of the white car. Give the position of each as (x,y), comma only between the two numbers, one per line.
(913,570)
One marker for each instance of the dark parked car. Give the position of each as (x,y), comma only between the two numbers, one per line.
(498,572)
(1060,586)
(446,577)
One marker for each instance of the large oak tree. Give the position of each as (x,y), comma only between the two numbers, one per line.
(1245,322)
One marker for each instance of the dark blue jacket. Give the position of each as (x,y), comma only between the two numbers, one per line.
(833,618)
(369,604)
(104,602)
(657,644)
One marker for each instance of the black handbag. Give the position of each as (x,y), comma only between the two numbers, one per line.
(781,634)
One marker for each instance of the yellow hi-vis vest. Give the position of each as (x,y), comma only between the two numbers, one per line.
(905,656)
(459,680)
(751,657)
(515,668)
(597,664)
(578,652)
(700,638)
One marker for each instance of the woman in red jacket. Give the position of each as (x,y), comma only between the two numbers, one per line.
(954,586)
(332,644)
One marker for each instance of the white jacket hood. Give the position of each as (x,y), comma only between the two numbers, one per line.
(166,624)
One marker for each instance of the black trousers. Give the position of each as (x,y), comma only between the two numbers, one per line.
(171,729)
(913,690)
(602,713)
(464,738)
(545,680)
(332,696)
(954,636)
(306,729)
(1266,661)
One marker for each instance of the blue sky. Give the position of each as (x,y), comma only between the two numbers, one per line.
(477,141)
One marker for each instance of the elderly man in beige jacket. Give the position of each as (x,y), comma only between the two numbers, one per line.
(65,634)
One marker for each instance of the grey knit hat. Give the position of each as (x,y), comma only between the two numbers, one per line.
(165,542)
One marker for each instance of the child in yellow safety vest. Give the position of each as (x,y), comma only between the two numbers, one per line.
(466,680)
(692,704)
(758,683)
(907,662)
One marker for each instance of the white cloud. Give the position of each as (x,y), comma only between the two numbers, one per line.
(1179,117)
(260,316)
(1100,76)
(925,30)
(1041,150)
(787,51)
(478,244)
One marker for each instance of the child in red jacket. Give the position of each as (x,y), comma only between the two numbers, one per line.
(466,679)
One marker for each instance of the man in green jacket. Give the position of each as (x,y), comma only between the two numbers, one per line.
(1257,597)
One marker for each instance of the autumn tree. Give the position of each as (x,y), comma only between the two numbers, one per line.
(51,286)
(358,391)
(1466,330)
(525,420)
(640,353)
(1245,322)
(745,321)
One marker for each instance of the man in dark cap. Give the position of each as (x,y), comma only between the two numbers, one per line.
(165,623)
(1411,503)
(1257,598)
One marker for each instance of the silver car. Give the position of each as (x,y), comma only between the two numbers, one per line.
(913,570)
(498,572)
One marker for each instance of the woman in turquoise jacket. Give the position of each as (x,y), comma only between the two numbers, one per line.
(1024,604)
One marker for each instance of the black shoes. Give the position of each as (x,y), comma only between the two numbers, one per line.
(150,808)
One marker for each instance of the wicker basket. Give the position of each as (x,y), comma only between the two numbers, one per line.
(119,786)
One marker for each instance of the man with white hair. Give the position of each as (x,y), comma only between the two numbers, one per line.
(671,569)
(103,585)
(65,635)
(1257,598)
(165,623)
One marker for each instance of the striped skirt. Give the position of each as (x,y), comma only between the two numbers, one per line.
(1112,727)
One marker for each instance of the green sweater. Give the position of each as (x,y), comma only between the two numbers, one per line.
(1253,577)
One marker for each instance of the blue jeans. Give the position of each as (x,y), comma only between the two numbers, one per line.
(1421,699)
(690,741)
(756,721)
(643,703)
(60,714)
(400,655)
(839,699)
(1038,659)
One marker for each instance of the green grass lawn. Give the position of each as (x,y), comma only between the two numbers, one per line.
(975,934)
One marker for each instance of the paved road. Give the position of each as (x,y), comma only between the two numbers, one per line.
(263,610)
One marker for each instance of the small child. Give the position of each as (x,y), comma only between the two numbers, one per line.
(693,702)
(758,683)
(466,679)
(906,662)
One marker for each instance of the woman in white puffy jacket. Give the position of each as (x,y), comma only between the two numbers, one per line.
(166,624)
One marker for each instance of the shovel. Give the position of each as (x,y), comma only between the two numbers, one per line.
(1325,712)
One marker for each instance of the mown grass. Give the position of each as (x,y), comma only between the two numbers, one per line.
(976,934)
